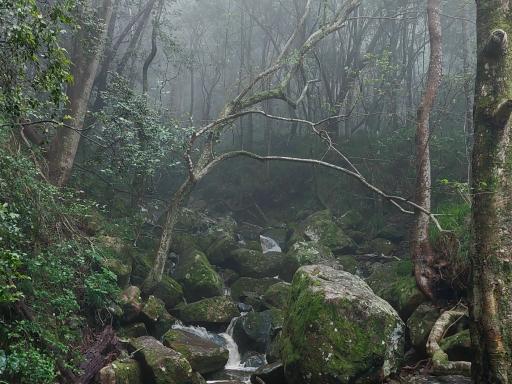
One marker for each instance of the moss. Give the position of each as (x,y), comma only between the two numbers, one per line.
(420,324)
(215,310)
(198,278)
(277,295)
(153,309)
(169,291)
(245,285)
(253,263)
(120,269)
(122,371)
(320,227)
(304,253)
(349,263)
(219,251)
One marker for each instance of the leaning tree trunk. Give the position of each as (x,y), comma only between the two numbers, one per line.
(421,250)
(491,256)
(86,59)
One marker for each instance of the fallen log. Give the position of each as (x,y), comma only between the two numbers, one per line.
(95,356)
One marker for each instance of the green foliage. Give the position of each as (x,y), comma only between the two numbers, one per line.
(30,365)
(34,65)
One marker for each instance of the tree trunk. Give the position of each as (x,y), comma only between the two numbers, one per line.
(421,250)
(86,60)
(491,256)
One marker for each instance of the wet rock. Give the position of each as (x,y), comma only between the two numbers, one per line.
(212,311)
(123,371)
(163,364)
(252,359)
(277,295)
(245,285)
(251,263)
(203,355)
(269,373)
(198,278)
(420,324)
(337,330)
(254,330)
(169,291)
(304,253)
(395,283)
(278,234)
(131,303)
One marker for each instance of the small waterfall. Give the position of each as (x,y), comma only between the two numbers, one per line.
(201,332)
(234,355)
(269,245)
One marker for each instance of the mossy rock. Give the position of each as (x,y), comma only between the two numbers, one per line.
(321,228)
(251,263)
(304,253)
(133,330)
(395,283)
(336,330)
(198,278)
(247,285)
(420,324)
(277,295)
(163,364)
(153,309)
(352,220)
(131,303)
(220,250)
(122,371)
(169,291)
(120,269)
(142,264)
(212,311)
(379,246)
(203,355)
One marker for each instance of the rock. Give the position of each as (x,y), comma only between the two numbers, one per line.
(212,311)
(304,253)
(438,380)
(392,232)
(251,263)
(122,270)
(395,283)
(321,228)
(164,323)
(245,285)
(273,350)
(133,330)
(269,373)
(420,324)
(278,234)
(131,303)
(142,264)
(458,346)
(220,250)
(156,317)
(164,364)
(379,246)
(277,295)
(253,359)
(198,278)
(169,291)
(349,264)
(229,276)
(253,331)
(125,371)
(203,355)
(337,330)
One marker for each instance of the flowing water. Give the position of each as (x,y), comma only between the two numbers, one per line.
(269,245)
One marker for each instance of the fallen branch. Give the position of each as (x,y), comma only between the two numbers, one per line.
(440,363)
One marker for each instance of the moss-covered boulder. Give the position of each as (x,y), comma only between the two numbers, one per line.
(153,308)
(123,371)
(133,330)
(395,283)
(246,286)
(252,263)
(203,355)
(169,291)
(155,316)
(131,303)
(321,228)
(253,331)
(277,295)
(458,346)
(220,250)
(198,278)
(304,253)
(420,324)
(164,365)
(212,311)
(122,270)
(336,330)
(142,264)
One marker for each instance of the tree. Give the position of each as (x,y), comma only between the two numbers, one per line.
(421,250)
(491,260)
(88,49)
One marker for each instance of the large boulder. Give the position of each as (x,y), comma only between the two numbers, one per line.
(164,365)
(198,278)
(304,253)
(322,228)
(220,250)
(212,311)
(122,371)
(254,330)
(203,355)
(169,291)
(395,283)
(276,296)
(337,330)
(269,373)
(252,263)
(245,286)
(156,317)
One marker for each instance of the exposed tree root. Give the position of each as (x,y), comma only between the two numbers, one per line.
(440,363)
